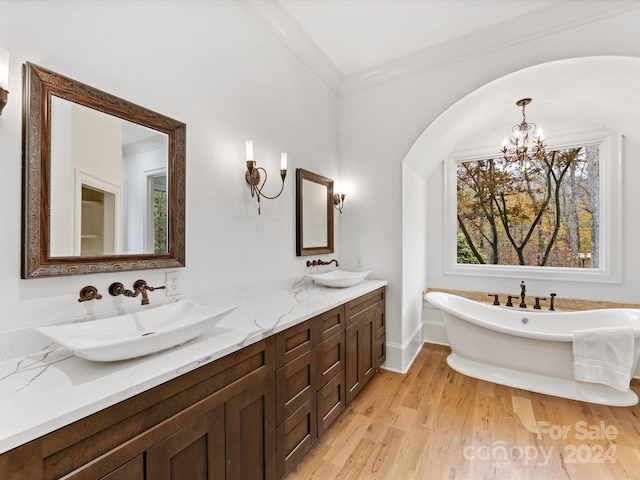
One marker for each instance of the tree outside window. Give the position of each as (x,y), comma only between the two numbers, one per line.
(540,213)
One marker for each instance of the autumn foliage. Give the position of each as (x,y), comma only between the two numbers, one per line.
(542,212)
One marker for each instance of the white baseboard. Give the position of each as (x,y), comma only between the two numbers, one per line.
(401,356)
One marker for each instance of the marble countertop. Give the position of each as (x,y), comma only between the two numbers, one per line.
(50,387)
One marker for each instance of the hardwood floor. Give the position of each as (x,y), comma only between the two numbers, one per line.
(434,423)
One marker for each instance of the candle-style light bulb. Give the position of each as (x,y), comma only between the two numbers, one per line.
(249,145)
(4,69)
(283,161)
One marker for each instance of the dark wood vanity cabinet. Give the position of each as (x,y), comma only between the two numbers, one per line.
(250,415)
(344,347)
(234,439)
(217,421)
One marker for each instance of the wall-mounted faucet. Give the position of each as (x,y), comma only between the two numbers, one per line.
(140,287)
(315,263)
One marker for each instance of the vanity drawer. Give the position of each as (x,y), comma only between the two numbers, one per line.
(356,307)
(330,323)
(330,355)
(294,341)
(295,384)
(331,402)
(295,437)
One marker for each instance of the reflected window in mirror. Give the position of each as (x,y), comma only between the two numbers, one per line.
(314,213)
(157,213)
(104,181)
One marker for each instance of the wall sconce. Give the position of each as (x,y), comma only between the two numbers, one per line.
(252,175)
(338,201)
(4,77)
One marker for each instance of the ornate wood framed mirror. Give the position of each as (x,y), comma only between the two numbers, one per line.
(314,213)
(103,181)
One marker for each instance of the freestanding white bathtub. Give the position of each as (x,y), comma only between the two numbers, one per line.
(529,349)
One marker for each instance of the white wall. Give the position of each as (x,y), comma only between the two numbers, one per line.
(379,127)
(207,64)
(414,268)
(229,79)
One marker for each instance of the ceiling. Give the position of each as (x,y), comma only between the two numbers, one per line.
(358,35)
(354,44)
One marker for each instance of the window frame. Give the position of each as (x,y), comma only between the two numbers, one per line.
(610,270)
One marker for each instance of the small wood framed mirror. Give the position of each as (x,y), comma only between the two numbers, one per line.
(314,213)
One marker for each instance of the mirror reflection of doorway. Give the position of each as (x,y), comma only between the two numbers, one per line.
(97,222)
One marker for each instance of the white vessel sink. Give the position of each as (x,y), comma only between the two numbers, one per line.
(339,278)
(137,334)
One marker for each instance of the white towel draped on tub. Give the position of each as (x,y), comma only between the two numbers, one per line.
(604,355)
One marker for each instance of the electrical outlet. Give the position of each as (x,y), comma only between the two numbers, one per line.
(172,281)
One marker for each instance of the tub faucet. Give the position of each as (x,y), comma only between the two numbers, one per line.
(523,293)
(140,287)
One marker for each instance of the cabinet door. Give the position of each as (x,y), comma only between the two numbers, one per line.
(251,433)
(360,361)
(195,452)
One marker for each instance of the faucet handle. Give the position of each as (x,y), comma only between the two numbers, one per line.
(553,297)
(509,300)
(142,284)
(116,288)
(496,301)
(89,293)
(537,305)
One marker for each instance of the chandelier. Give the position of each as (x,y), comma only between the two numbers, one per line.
(526,141)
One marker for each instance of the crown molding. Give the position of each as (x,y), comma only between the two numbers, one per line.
(538,24)
(288,31)
(543,22)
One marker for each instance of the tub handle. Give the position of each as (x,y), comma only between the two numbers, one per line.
(496,301)
(537,305)
(509,300)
